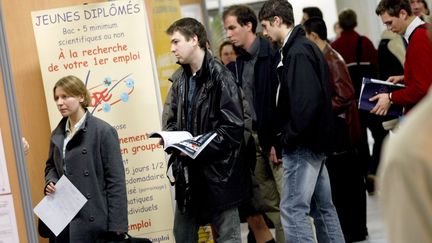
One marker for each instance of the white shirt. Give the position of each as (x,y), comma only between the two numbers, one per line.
(69,134)
(280,62)
(411,27)
(280,50)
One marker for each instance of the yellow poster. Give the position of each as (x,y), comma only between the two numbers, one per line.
(107,45)
(162,14)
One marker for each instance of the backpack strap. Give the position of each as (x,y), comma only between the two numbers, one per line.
(170,162)
(359,50)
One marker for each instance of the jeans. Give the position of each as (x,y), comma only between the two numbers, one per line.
(226,224)
(306,192)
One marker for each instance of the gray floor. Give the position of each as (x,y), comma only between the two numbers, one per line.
(374,223)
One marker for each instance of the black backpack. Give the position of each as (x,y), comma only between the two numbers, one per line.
(359,70)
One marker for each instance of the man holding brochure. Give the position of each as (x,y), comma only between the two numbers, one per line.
(204,98)
(398,17)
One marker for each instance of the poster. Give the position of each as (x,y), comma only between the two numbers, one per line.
(8,225)
(163,14)
(107,45)
(4,177)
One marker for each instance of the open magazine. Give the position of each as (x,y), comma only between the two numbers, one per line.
(184,141)
(371,87)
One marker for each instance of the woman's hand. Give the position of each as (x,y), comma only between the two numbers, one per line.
(50,188)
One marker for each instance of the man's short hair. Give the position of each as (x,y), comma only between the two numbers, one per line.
(347,19)
(393,7)
(317,25)
(189,27)
(244,15)
(281,8)
(313,12)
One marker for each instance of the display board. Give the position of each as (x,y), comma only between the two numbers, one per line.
(8,225)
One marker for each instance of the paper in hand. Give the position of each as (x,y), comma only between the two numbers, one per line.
(58,209)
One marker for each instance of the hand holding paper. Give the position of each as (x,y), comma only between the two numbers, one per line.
(50,188)
(58,209)
(184,142)
(396,79)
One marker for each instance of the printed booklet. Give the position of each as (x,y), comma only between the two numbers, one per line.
(184,141)
(371,87)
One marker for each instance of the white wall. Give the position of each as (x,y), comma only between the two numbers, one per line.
(328,7)
(369,24)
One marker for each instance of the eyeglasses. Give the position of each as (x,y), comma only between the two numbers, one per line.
(388,23)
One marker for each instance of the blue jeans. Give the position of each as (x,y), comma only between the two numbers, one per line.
(306,192)
(226,223)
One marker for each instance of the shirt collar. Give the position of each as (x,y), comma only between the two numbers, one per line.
(253,50)
(287,37)
(284,43)
(77,125)
(411,27)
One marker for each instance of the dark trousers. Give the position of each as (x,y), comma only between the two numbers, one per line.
(346,172)
(374,123)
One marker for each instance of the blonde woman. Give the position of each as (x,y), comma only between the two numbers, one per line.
(86,150)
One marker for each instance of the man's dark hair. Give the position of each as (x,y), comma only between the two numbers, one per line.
(347,19)
(281,8)
(317,25)
(189,27)
(313,12)
(393,7)
(244,15)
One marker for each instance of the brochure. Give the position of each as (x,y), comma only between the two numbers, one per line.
(184,141)
(371,87)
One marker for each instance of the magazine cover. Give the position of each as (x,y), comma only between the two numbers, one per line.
(184,141)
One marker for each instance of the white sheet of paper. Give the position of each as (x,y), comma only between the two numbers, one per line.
(8,225)
(58,209)
(4,178)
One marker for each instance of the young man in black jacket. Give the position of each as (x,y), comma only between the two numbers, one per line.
(204,98)
(305,128)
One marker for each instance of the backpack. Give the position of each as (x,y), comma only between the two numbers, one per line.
(360,69)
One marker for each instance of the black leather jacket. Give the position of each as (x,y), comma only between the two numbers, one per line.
(216,174)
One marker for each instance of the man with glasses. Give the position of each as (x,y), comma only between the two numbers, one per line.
(398,17)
